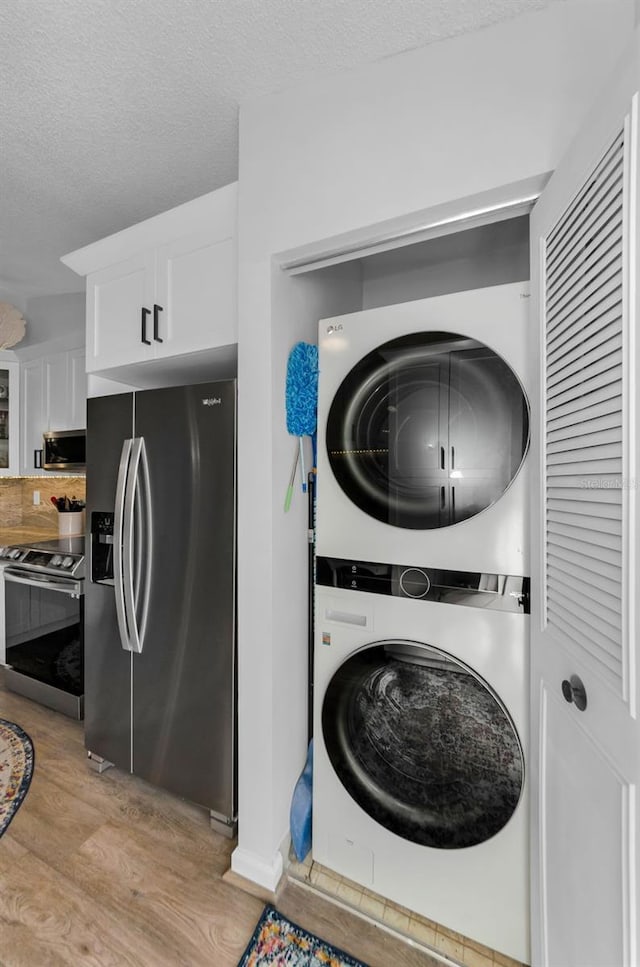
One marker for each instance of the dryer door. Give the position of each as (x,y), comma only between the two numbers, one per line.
(423,744)
(427,430)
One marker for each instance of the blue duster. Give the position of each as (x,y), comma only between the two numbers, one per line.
(300,812)
(301,404)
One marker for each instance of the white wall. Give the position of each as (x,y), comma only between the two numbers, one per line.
(457,118)
(54,316)
(276,665)
(490,255)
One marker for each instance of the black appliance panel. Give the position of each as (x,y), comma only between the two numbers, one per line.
(184,678)
(499,592)
(107,671)
(64,450)
(101,538)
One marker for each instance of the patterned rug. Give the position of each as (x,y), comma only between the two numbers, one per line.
(16,768)
(277,942)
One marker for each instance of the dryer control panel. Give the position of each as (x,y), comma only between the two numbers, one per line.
(498,592)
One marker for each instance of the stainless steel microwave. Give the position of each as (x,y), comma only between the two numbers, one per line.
(63,450)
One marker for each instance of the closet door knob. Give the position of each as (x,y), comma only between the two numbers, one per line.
(574,691)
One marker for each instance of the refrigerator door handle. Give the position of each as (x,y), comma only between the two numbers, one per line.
(139,556)
(119,545)
(136,556)
(128,546)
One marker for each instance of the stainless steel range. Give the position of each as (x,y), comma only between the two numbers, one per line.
(44,589)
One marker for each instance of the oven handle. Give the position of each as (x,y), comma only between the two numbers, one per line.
(119,545)
(138,477)
(47,581)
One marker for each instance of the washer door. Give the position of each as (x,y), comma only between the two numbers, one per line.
(427,430)
(423,744)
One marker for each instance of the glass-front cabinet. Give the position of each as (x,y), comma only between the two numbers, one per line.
(9,420)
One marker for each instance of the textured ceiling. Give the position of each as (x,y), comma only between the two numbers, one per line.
(114,110)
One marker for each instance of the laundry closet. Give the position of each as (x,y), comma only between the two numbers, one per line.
(422,582)
(422,152)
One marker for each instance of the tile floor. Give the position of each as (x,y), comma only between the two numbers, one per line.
(432,935)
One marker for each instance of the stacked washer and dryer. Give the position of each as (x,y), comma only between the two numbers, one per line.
(421,614)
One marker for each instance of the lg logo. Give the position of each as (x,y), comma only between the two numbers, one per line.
(337,328)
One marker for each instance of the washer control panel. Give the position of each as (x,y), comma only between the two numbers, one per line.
(414,582)
(498,592)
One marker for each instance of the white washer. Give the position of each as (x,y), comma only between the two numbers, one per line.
(420,789)
(421,405)
(420,684)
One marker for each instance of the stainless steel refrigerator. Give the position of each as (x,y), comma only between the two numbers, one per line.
(160,664)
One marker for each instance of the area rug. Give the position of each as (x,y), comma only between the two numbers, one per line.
(16,768)
(277,942)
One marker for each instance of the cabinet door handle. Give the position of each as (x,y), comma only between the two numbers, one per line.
(37,459)
(453,457)
(143,336)
(442,458)
(156,322)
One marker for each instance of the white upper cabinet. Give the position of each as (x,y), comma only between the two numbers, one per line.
(76,389)
(31,414)
(163,288)
(196,288)
(52,397)
(118,300)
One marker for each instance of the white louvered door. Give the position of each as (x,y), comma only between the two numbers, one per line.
(585,761)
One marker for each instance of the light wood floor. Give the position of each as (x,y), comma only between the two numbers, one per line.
(107,870)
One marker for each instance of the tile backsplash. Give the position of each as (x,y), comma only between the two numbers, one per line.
(17,509)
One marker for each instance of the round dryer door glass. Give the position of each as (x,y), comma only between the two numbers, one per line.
(423,745)
(427,430)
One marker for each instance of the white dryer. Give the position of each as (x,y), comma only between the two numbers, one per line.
(420,725)
(420,668)
(423,430)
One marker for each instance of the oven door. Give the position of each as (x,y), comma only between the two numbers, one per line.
(44,639)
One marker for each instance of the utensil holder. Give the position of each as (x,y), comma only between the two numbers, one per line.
(71,523)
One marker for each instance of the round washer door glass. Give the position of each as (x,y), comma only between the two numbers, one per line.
(422,744)
(427,430)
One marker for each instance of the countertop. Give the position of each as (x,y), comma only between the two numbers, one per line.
(25,535)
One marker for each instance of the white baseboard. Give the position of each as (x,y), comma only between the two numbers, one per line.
(253,867)
(285,843)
